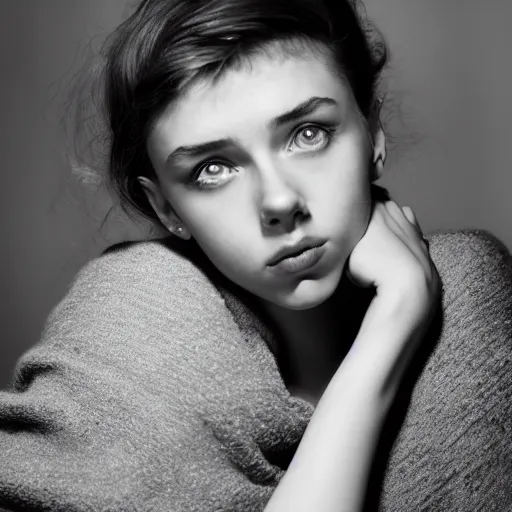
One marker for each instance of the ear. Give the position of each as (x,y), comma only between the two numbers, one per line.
(163,209)
(379,150)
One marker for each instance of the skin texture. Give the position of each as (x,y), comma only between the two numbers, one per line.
(275,184)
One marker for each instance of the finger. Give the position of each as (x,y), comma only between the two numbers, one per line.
(405,219)
(411,216)
(409,231)
(412,221)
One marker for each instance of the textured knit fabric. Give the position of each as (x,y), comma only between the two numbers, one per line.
(154,389)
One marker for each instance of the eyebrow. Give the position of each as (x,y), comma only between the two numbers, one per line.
(197,150)
(303,109)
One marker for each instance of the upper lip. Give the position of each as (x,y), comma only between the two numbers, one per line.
(305,243)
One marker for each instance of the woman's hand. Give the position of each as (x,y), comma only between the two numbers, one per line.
(393,256)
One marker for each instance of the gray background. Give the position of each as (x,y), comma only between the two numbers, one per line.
(449,83)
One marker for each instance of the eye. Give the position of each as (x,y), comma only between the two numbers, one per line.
(210,174)
(311,137)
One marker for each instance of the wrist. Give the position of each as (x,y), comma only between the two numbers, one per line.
(406,305)
(387,340)
(370,376)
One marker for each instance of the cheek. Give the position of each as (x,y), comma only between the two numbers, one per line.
(344,198)
(226,236)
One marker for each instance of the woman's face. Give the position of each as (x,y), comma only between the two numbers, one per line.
(274,151)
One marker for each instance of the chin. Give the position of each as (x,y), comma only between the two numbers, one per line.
(310,293)
(302,306)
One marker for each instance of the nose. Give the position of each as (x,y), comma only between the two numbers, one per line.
(281,204)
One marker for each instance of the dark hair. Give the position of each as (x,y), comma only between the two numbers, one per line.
(167,44)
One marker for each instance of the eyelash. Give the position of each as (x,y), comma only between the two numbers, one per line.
(203,184)
(329,131)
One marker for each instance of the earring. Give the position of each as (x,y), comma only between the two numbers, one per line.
(174,229)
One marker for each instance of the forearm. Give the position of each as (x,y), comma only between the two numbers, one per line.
(330,469)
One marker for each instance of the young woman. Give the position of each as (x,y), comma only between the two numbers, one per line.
(261,357)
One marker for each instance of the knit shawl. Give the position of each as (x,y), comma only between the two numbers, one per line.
(155,387)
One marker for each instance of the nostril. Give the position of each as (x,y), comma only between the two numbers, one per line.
(300,215)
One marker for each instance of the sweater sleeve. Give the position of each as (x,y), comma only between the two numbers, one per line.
(112,409)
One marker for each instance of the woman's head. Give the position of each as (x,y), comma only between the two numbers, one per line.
(248,125)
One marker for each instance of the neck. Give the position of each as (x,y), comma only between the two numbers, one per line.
(314,342)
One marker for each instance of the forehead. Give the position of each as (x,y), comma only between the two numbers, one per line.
(248,95)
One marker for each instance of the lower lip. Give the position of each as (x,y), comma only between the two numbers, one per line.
(302,261)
